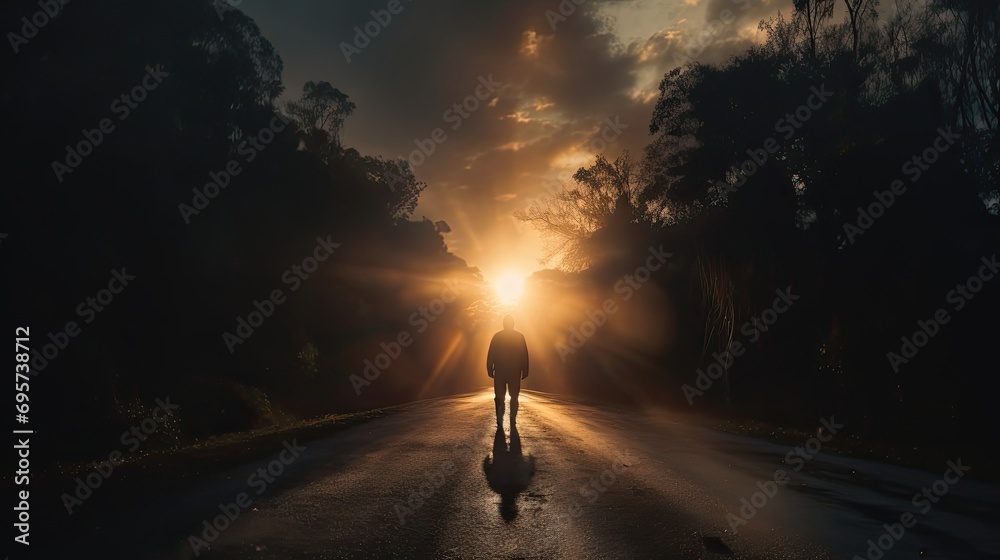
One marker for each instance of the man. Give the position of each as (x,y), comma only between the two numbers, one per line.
(507,364)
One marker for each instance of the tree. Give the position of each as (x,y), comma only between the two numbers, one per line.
(961,45)
(398,189)
(605,192)
(954,43)
(860,15)
(812,14)
(320,112)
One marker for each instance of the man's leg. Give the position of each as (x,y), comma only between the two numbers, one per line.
(500,393)
(514,386)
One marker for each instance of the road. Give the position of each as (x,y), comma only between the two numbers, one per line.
(578,482)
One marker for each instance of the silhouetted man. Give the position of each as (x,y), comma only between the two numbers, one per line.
(507,364)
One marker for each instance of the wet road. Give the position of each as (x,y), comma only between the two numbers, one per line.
(436,480)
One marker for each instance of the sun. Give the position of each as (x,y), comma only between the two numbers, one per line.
(509,288)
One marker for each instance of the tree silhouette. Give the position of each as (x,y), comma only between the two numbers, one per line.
(894,87)
(320,112)
(604,193)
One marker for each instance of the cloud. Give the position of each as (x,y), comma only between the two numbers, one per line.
(604,61)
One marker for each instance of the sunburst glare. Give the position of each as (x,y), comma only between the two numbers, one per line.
(509,288)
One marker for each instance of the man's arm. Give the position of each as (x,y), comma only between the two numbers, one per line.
(490,361)
(524,358)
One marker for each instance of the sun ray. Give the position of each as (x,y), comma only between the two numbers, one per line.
(439,368)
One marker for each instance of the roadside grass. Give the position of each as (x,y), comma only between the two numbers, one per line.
(226,450)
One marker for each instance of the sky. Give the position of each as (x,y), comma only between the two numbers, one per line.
(558,82)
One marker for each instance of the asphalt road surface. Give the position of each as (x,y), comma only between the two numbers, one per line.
(435,480)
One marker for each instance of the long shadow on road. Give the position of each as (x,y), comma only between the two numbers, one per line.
(508,471)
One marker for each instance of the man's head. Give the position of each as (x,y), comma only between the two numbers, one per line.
(508,322)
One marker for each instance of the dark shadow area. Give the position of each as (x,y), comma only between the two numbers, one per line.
(508,472)
(205,265)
